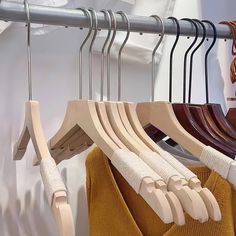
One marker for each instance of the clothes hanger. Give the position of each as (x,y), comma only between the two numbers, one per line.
(207,196)
(174,202)
(177,210)
(182,111)
(231,117)
(82,119)
(155,134)
(131,109)
(125,131)
(207,110)
(101,107)
(192,118)
(162,116)
(54,186)
(215,109)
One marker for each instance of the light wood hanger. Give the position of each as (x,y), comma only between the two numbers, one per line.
(162,116)
(176,208)
(33,130)
(101,107)
(194,183)
(82,118)
(120,123)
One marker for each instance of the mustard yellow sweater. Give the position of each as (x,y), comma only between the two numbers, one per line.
(116,210)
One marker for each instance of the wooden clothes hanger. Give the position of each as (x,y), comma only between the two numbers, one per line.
(101,107)
(193,118)
(231,117)
(177,210)
(54,186)
(208,110)
(215,109)
(208,198)
(182,111)
(82,121)
(124,130)
(162,116)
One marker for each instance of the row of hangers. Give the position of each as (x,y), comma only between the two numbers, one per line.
(116,127)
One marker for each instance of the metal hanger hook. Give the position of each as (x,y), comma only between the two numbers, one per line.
(172,53)
(87,13)
(157,18)
(95,27)
(27,11)
(191,58)
(186,55)
(106,15)
(121,49)
(206,56)
(114,25)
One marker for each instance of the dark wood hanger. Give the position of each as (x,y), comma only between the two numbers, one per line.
(210,127)
(231,116)
(222,122)
(213,112)
(220,135)
(183,113)
(188,121)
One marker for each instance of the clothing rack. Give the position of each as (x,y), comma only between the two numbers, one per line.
(12,11)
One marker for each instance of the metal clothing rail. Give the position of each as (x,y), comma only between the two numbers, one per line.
(12,11)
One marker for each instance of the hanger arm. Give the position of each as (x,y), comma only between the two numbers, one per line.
(63,215)
(161,115)
(33,130)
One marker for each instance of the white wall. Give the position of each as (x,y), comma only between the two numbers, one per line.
(23,207)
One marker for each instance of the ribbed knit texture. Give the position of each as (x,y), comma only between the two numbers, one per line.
(132,168)
(116,209)
(216,161)
(183,170)
(51,178)
(159,165)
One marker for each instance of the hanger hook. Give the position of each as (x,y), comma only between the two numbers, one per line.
(206,56)
(27,11)
(106,15)
(186,55)
(120,51)
(191,58)
(157,18)
(95,27)
(113,20)
(172,53)
(87,13)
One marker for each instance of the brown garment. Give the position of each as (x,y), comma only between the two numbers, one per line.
(115,209)
(232,25)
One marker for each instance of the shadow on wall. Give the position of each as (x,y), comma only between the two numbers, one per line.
(29,216)
(81,220)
